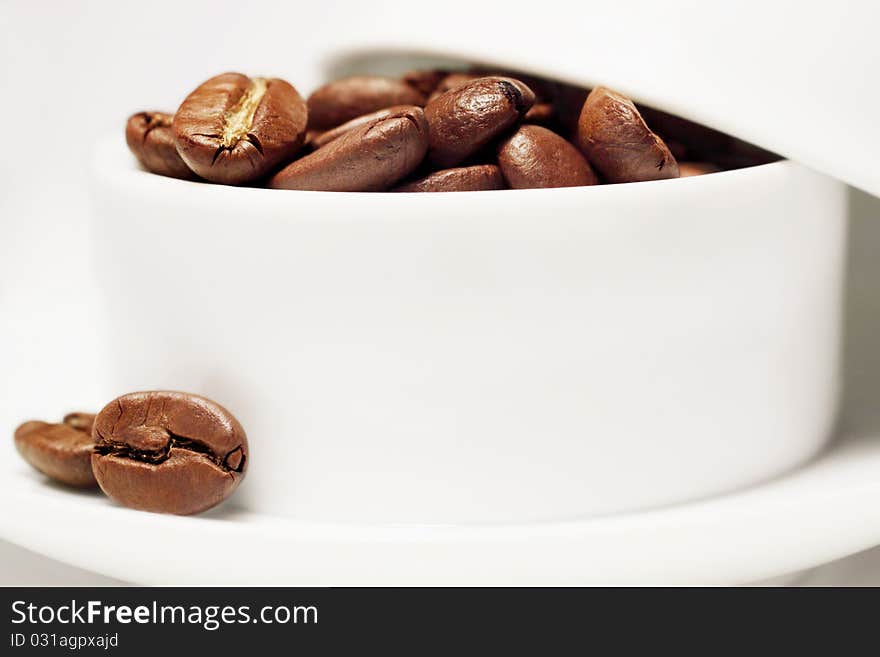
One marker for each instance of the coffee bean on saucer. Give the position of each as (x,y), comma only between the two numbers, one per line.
(348,98)
(60,451)
(150,138)
(234,129)
(80,421)
(480,177)
(618,142)
(465,119)
(535,157)
(369,158)
(168,452)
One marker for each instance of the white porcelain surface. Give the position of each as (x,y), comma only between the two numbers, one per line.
(794,77)
(51,328)
(485,357)
(824,511)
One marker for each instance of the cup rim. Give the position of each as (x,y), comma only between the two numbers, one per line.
(113,163)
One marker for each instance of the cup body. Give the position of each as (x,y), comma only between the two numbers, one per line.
(486,357)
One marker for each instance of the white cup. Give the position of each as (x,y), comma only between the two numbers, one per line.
(485,357)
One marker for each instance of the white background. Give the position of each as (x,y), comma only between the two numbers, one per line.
(72,71)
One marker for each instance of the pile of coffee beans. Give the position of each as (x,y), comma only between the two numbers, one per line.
(428,131)
(167,452)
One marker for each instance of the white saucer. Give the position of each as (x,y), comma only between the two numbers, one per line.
(826,510)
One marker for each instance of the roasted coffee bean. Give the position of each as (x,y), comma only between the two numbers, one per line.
(325,138)
(370,158)
(480,177)
(168,452)
(688,169)
(452,81)
(535,157)
(62,451)
(678,150)
(234,129)
(463,120)
(541,113)
(544,89)
(618,142)
(696,142)
(349,98)
(568,101)
(151,140)
(424,81)
(311,136)
(80,421)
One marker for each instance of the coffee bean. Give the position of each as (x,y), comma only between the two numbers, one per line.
(678,149)
(543,89)
(535,157)
(349,98)
(688,169)
(454,81)
(541,113)
(311,136)
(480,177)
(234,129)
(151,140)
(325,138)
(370,158)
(168,452)
(424,81)
(695,142)
(568,101)
(60,451)
(463,120)
(80,421)
(618,142)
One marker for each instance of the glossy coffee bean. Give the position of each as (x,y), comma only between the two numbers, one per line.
(568,101)
(457,79)
(370,158)
(311,136)
(80,421)
(453,81)
(618,142)
(678,149)
(688,169)
(690,140)
(534,157)
(168,452)
(424,81)
(150,138)
(234,129)
(541,113)
(348,98)
(324,138)
(463,120)
(480,177)
(61,451)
